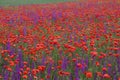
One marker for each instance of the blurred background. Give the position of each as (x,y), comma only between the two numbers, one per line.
(22,2)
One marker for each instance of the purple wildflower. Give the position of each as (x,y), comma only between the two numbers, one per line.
(64,64)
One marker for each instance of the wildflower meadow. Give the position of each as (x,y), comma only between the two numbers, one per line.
(60,41)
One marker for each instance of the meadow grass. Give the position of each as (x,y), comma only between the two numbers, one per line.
(23,2)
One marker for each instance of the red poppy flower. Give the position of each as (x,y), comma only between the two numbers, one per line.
(25,76)
(79,65)
(106,76)
(88,74)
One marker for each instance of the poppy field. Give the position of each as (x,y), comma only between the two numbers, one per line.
(62,41)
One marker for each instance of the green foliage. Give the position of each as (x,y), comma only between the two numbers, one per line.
(22,2)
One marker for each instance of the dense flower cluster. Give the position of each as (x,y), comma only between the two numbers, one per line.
(64,41)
